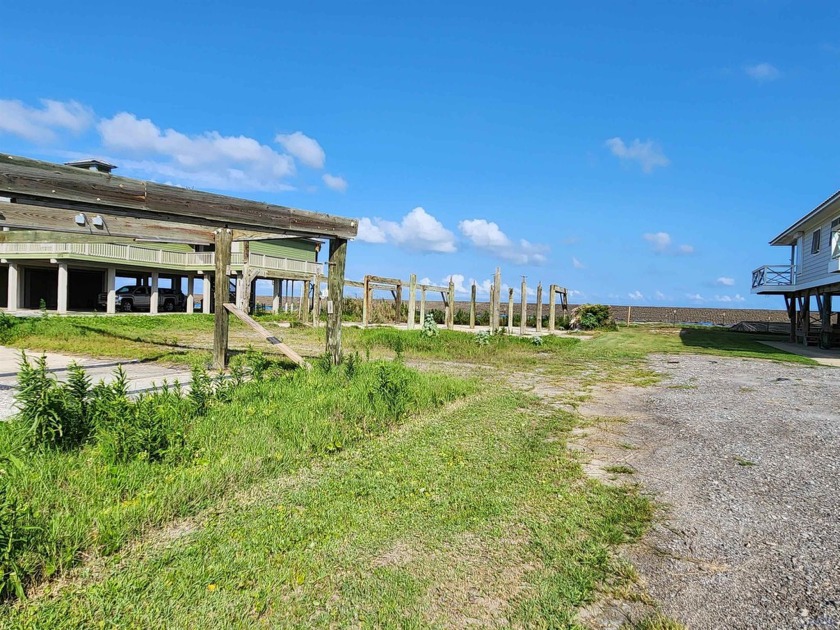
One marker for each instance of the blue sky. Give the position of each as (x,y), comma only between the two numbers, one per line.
(637,153)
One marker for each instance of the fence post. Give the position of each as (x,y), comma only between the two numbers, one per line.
(412,289)
(472,306)
(552,307)
(422,304)
(510,311)
(450,324)
(539,307)
(365,290)
(497,304)
(523,316)
(492,307)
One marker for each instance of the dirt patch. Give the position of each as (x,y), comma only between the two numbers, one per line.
(742,456)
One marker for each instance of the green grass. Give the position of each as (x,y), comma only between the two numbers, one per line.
(475,501)
(79,503)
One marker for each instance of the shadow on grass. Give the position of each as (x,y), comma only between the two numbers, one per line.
(730,341)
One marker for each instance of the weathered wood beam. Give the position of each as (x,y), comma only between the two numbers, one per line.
(28,216)
(265,334)
(383,280)
(43,179)
(220,317)
(335,284)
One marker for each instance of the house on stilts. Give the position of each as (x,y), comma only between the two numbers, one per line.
(811,278)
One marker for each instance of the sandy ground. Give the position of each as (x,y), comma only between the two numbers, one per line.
(743,457)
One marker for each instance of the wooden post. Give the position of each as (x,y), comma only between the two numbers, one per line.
(412,289)
(450,323)
(539,307)
(510,311)
(220,331)
(398,303)
(422,304)
(523,307)
(365,301)
(806,317)
(111,282)
(473,290)
(492,307)
(244,293)
(304,302)
(552,307)
(497,304)
(335,283)
(790,303)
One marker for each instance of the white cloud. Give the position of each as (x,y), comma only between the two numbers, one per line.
(763,72)
(695,297)
(458,281)
(574,293)
(648,154)
(225,162)
(335,182)
(725,282)
(661,242)
(304,148)
(488,236)
(577,264)
(660,296)
(40,124)
(416,231)
(636,295)
(729,298)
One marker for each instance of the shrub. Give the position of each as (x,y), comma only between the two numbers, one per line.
(482,338)
(537,341)
(392,388)
(201,389)
(430,328)
(593,316)
(462,317)
(15,533)
(53,414)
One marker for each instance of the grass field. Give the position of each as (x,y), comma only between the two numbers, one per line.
(372,495)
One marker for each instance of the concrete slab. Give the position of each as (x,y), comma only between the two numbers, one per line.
(823,357)
(142,376)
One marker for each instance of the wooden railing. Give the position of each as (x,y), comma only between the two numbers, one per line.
(139,254)
(774,276)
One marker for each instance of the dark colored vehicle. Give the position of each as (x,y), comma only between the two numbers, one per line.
(138,298)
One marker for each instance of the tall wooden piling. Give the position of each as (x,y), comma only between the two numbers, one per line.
(552,292)
(510,312)
(473,290)
(450,322)
(224,238)
(335,302)
(412,289)
(539,307)
(523,307)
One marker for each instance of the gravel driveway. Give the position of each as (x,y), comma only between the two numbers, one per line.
(745,456)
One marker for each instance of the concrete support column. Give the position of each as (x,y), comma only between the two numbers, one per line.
(13,297)
(190,294)
(275,302)
(62,287)
(111,288)
(205,298)
(238,293)
(153,298)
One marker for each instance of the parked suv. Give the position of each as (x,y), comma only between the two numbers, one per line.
(138,298)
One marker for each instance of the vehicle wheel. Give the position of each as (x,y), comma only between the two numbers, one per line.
(169,306)
(125,305)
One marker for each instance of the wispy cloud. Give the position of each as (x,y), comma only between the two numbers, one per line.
(647,154)
(636,295)
(725,281)
(762,72)
(334,182)
(488,236)
(729,298)
(577,264)
(41,124)
(416,231)
(305,149)
(662,243)
(695,297)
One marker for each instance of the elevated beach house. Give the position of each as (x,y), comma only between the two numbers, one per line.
(811,277)
(62,271)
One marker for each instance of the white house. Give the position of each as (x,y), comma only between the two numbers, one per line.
(811,277)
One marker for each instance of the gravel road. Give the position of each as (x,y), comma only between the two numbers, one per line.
(745,456)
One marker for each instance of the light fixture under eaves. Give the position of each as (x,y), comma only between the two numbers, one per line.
(98,221)
(80,218)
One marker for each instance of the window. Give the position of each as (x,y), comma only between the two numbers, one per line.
(815,242)
(835,238)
